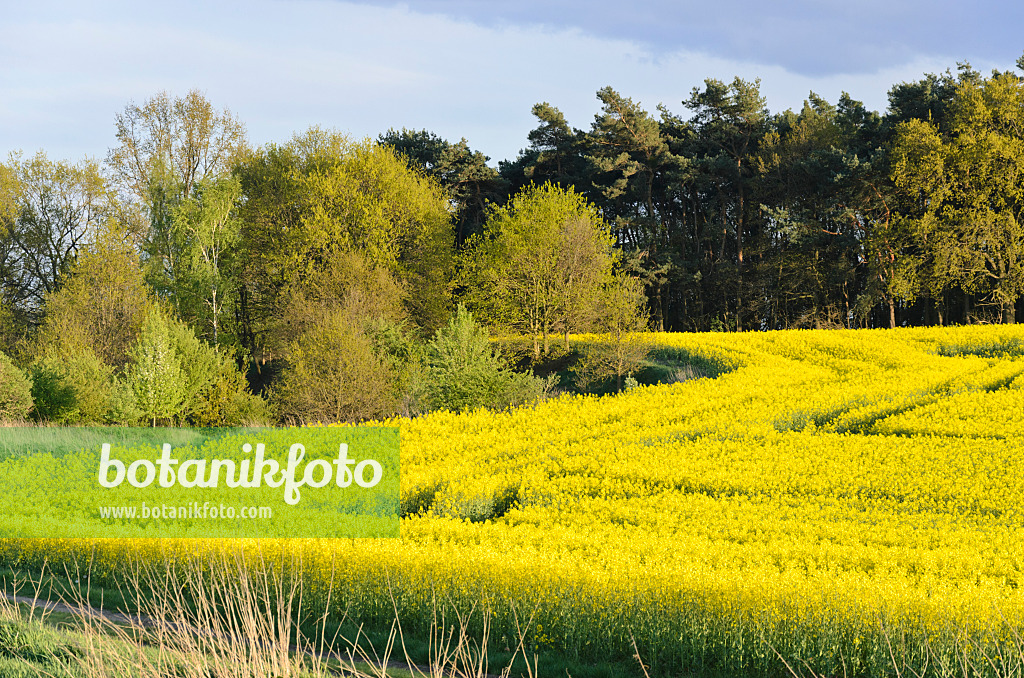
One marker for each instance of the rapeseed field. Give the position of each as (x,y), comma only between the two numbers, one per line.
(847,502)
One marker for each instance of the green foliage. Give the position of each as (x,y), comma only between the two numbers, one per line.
(465,373)
(15,391)
(963,182)
(175,375)
(102,305)
(54,400)
(322,196)
(325,334)
(226,401)
(123,407)
(333,374)
(70,389)
(540,264)
(398,347)
(471,184)
(204,229)
(49,211)
(155,374)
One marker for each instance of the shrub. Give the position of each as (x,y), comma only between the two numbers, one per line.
(226,401)
(54,399)
(464,372)
(15,391)
(155,372)
(333,374)
(124,409)
(72,389)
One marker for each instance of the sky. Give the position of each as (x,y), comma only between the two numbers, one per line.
(459,68)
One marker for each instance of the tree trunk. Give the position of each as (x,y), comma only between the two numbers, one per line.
(1009,313)
(892,314)
(739,250)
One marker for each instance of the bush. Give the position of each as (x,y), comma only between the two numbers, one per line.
(155,372)
(464,372)
(54,399)
(603,367)
(124,409)
(15,391)
(333,375)
(226,401)
(403,353)
(73,389)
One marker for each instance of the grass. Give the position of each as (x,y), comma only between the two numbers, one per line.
(662,365)
(227,620)
(59,440)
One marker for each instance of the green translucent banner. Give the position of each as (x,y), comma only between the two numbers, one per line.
(316,482)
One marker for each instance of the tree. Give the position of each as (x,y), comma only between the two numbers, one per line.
(813,188)
(174,141)
(731,119)
(966,182)
(205,228)
(13,320)
(556,154)
(330,356)
(539,263)
(49,212)
(15,391)
(322,196)
(333,374)
(372,203)
(167,149)
(463,172)
(636,175)
(155,374)
(103,304)
(623,314)
(72,388)
(464,372)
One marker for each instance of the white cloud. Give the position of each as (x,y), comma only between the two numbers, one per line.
(282,66)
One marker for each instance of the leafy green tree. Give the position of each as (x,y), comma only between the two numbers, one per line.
(471,183)
(72,388)
(226,401)
(166,150)
(322,196)
(813,187)
(101,307)
(50,211)
(967,183)
(325,334)
(155,373)
(176,141)
(623,315)
(333,374)
(636,174)
(205,229)
(540,263)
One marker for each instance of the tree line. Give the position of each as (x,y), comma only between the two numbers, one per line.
(192,278)
(736,218)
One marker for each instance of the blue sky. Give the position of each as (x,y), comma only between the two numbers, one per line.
(460,68)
